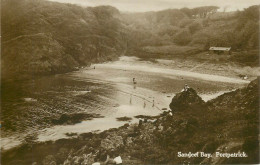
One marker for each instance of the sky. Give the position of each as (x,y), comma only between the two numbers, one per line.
(155,5)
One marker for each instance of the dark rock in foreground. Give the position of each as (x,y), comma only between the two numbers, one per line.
(187,100)
(125,118)
(74,118)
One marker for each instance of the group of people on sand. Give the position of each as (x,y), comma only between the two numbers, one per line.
(186,87)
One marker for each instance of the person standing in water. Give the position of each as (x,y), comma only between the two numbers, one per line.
(153,101)
(131,99)
(134,82)
(144,103)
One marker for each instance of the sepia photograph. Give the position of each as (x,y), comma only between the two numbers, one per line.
(129,82)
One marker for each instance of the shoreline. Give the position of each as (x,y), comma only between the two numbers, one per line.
(140,67)
(205,66)
(132,136)
(16,143)
(179,73)
(195,66)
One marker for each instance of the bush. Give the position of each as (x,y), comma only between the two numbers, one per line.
(194,27)
(183,38)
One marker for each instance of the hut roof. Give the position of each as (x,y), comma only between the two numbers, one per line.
(220,48)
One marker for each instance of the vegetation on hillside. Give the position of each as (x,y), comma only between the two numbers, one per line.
(42,37)
(193,31)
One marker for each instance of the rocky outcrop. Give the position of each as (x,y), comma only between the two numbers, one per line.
(49,160)
(187,100)
(231,147)
(112,142)
(245,98)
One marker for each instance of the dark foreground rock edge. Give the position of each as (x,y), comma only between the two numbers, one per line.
(226,124)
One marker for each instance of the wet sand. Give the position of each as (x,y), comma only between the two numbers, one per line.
(108,90)
(133,65)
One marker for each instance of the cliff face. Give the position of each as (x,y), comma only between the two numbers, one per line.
(41,37)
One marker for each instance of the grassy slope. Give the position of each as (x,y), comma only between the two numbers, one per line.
(175,33)
(41,37)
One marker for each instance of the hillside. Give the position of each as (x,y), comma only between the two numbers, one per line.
(187,33)
(41,37)
(227,124)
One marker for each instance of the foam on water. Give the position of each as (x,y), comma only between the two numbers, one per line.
(10,142)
